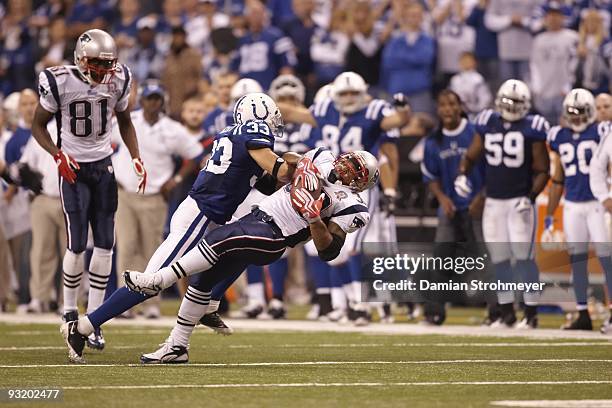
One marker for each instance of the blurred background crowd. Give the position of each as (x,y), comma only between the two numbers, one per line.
(198,49)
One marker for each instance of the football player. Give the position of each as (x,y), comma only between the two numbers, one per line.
(516,169)
(82,98)
(292,215)
(573,146)
(240,156)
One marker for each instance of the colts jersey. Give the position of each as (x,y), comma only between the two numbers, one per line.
(508,153)
(576,151)
(358,131)
(341,206)
(230,172)
(217,120)
(83,112)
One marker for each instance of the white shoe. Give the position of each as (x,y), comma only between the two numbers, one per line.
(152,312)
(606,327)
(250,311)
(336,315)
(313,313)
(35,306)
(167,354)
(145,283)
(22,309)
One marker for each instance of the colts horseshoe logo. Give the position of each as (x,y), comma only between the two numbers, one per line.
(265,115)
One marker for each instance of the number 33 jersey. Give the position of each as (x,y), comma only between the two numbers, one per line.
(508,152)
(83,112)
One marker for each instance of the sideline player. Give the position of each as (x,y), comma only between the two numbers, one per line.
(82,98)
(240,156)
(516,171)
(286,218)
(573,146)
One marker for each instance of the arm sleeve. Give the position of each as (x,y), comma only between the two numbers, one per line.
(122,102)
(352,222)
(429,165)
(258,135)
(284,52)
(481,121)
(48,91)
(539,128)
(598,169)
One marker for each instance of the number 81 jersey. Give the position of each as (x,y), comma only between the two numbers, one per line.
(508,153)
(83,111)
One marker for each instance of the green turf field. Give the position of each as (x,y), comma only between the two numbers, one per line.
(263,368)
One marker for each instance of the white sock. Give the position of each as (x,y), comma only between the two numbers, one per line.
(338,298)
(505,296)
(73,266)
(356,285)
(349,292)
(255,292)
(99,273)
(192,309)
(199,259)
(213,306)
(84,326)
(531,298)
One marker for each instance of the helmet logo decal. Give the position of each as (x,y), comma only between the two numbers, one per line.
(85,38)
(265,115)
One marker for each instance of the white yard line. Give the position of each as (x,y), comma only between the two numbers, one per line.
(353,384)
(326,363)
(591,403)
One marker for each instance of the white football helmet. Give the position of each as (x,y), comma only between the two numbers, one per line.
(579,109)
(357,170)
(323,93)
(242,87)
(259,106)
(95,56)
(285,86)
(513,100)
(349,92)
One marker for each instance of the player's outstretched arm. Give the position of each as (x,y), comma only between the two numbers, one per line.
(296,114)
(400,117)
(541,166)
(40,132)
(272,164)
(328,239)
(128,133)
(472,155)
(556,189)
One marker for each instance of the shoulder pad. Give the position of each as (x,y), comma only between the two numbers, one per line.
(552,134)
(483,117)
(375,107)
(320,108)
(538,123)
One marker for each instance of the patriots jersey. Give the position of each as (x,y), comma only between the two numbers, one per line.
(262,55)
(358,131)
(217,120)
(508,154)
(341,206)
(576,151)
(296,138)
(441,162)
(230,172)
(83,112)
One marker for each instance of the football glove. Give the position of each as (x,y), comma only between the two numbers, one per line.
(523,205)
(307,205)
(387,201)
(400,101)
(463,186)
(141,173)
(66,166)
(307,175)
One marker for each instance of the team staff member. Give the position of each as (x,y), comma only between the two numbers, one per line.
(140,218)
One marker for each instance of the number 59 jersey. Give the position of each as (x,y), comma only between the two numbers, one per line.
(576,151)
(508,153)
(83,112)
(230,172)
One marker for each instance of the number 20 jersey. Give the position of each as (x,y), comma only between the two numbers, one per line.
(230,172)
(508,154)
(83,112)
(576,151)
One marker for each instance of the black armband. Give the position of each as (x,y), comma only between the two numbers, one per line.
(266,184)
(333,249)
(277,165)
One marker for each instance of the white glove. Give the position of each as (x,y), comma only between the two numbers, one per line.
(551,239)
(463,187)
(524,205)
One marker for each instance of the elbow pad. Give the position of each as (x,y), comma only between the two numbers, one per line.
(332,250)
(266,184)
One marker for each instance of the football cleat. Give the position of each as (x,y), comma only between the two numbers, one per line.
(70,316)
(313,313)
(250,311)
(74,340)
(213,321)
(145,283)
(606,327)
(166,354)
(362,318)
(276,309)
(507,321)
(336,315)
(386,316)
(528,323)
(96,340)
(583,322)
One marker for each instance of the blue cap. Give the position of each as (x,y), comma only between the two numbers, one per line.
(553,6)
(153,89)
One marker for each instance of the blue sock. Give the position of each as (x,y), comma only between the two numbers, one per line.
(504,272)
(319,270)
(580,278)
(355,267)
(606,264)
(220,288)
(335,277)
(121,300)
(527,271)
(278,273)
(343,272)
(254,274)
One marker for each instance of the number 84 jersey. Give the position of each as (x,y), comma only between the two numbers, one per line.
(83,112)
(508,152)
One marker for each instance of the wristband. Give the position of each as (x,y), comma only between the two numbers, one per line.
(277,165)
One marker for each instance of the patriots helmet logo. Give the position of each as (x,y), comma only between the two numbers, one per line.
(357,223)
(42,90)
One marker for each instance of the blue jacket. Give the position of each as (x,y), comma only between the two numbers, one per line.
(408,68)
